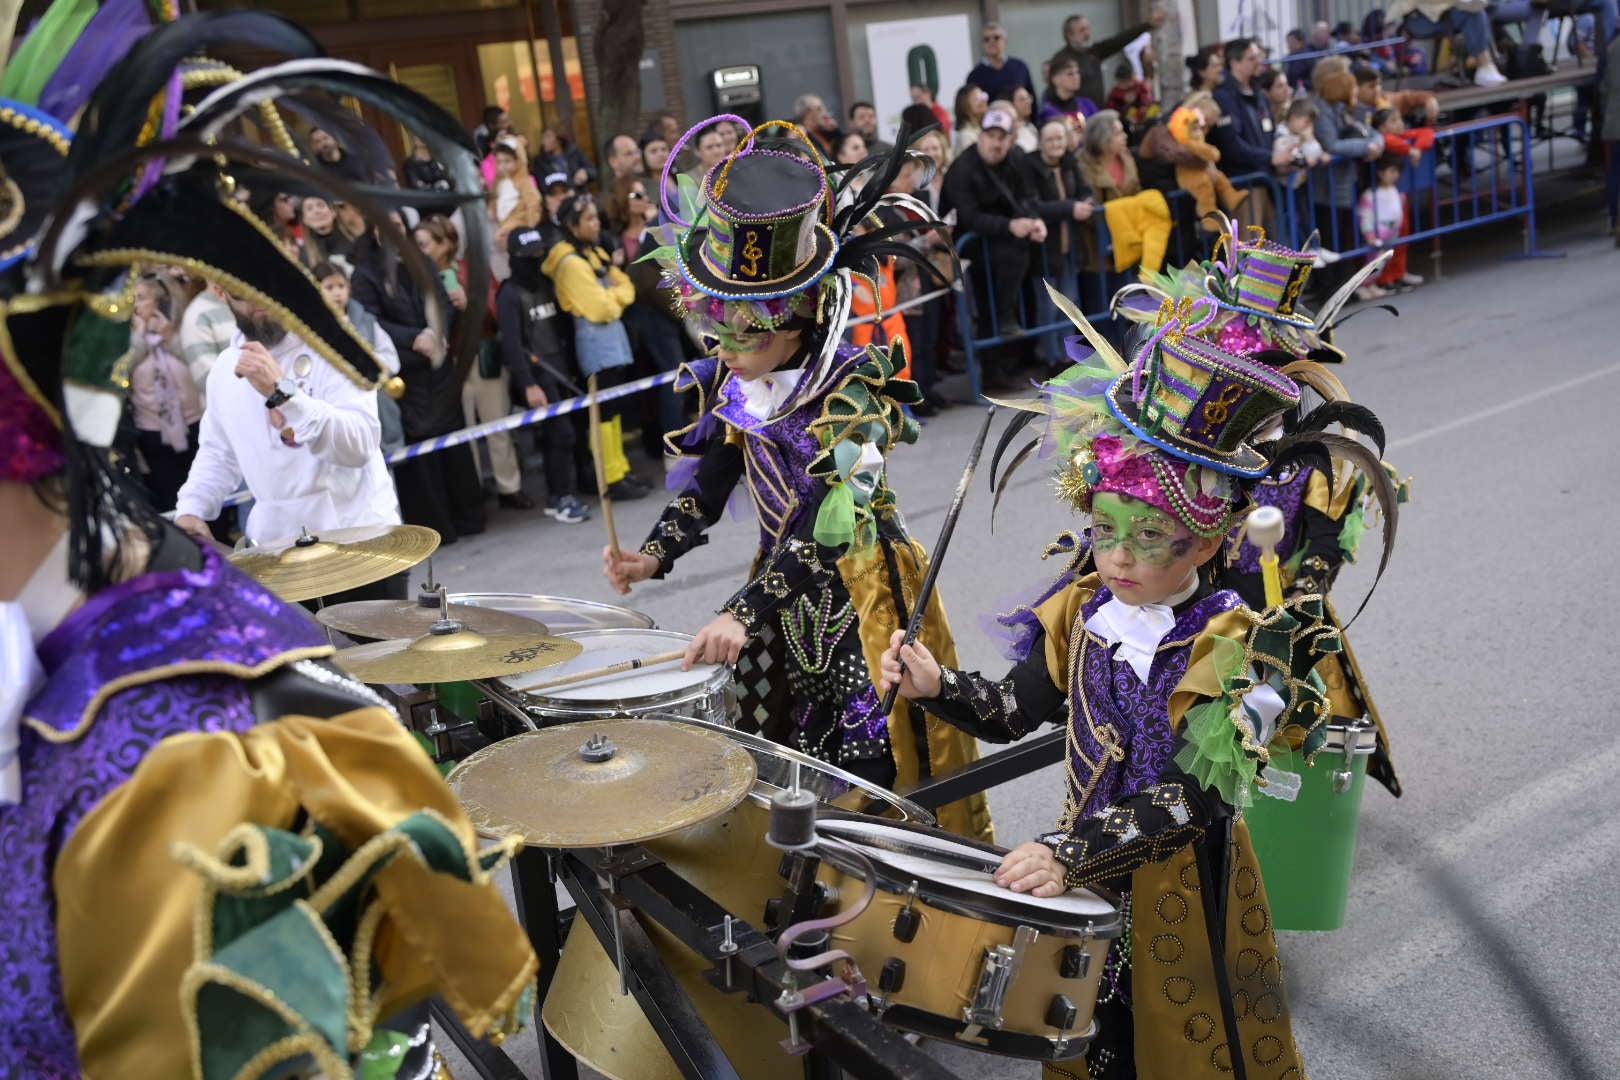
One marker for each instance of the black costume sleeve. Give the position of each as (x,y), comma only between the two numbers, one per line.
(514,350)
(1001,711)
(680,527)
(1319,540)
(1148,826)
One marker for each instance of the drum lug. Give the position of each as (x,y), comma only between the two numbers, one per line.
(890,980)
(1075,962)
(906,921)
(1062,1015)
(1000,968)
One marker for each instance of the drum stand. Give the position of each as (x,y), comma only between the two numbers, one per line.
(828,1027)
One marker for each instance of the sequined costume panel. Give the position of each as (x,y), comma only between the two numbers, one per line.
(209,616)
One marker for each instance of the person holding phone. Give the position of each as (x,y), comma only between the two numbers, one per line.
(164,399)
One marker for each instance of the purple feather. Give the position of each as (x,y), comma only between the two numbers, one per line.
(107,39)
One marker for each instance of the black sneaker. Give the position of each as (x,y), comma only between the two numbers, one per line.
(621,491)
(517,500)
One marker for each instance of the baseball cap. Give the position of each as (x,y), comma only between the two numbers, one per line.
(999,116)
(556,179)
(525,244)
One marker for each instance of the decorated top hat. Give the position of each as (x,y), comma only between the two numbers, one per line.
(1198,402)
(760,233)
(1267,280)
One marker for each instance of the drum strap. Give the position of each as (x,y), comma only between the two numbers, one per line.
(919,722)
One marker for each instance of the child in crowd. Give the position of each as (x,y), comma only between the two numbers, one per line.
(334,281)
(1399,139)
(1382,214)
(1132,98)
(1297,137)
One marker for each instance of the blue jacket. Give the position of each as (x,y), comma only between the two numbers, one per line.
(1241,137)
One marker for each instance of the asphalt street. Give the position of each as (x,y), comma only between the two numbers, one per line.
(1484,898)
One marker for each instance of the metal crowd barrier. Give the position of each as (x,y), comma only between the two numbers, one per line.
(1469,193)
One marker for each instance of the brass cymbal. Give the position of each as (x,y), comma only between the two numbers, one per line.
(333,560)
(454,657)
(654,779)
(379,620)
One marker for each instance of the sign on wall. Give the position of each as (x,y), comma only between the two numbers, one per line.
(934,51)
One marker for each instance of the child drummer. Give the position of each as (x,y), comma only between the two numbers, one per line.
(1173,689)
(765,271)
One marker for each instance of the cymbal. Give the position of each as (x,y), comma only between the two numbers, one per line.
(454,657)
(378,620)
(654,779)
(332,560)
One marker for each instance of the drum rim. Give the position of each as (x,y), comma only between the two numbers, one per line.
(652,624)
(916,813)
(958,901)
(642,704)
(1366,736)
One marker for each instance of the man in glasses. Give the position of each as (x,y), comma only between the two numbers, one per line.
(997,71)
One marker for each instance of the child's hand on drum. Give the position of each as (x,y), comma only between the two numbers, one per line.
(1031,868)
(720,642)
(920,677)
(627,568)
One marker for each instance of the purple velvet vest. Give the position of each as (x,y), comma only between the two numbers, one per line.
(1288,495)
(212,615)
(778,455)
(1122,738)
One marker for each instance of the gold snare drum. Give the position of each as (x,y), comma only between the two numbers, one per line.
(951,954)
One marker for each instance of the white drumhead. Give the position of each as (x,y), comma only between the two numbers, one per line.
(561,614)
(1077,902)
(605,647)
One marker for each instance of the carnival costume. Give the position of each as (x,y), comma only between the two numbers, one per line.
(1168,706)
(225,857)
(1325,509)
(770,243)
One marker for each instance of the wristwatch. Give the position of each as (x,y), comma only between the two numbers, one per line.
(284,390)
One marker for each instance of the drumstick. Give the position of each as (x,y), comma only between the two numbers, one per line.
(601,470)
(920,605)
(610,669)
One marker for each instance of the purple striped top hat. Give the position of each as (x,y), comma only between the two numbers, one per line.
(1267,280)
(1198,402)
(759,235)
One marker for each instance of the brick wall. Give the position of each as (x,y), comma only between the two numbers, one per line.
(659,29)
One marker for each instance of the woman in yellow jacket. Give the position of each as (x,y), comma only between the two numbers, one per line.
(591,288)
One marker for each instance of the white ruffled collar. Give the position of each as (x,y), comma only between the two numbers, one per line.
(764,397)
(1135,630)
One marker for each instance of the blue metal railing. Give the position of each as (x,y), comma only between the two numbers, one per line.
(1468,195)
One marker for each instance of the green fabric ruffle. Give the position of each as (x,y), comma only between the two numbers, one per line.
(1220,751)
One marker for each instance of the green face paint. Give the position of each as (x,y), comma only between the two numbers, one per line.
(1152,536)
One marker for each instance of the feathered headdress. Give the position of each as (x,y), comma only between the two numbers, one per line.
(773,237)
(1257,285)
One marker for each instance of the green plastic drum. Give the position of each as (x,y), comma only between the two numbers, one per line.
(1307,848)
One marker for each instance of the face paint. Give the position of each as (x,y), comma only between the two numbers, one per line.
(1151,536)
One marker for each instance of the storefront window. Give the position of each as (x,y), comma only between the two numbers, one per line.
(508,74)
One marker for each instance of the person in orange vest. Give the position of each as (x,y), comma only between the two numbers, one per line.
(889,328)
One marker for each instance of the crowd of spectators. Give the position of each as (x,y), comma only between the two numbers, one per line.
(1028,157)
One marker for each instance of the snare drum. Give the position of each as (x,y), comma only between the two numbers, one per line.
(729,859)
(562,615)
(704,693)
(949,953)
